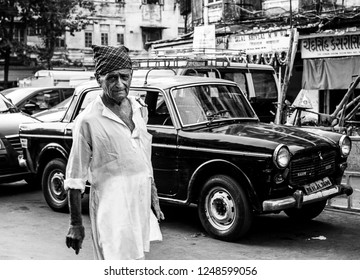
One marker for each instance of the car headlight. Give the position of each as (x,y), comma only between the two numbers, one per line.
(345,146)
(281,156)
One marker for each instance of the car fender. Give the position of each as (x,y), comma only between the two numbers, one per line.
(50,152)
(222,167)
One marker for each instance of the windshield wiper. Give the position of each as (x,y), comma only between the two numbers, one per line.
(215,115)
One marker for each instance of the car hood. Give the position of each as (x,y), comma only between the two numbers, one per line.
(264,137)
(9,123)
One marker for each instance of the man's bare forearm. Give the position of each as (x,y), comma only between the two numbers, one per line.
(75,207)
(154,194)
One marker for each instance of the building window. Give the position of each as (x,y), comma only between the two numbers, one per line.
(60,42)
(19,35)
(214,1)
(34,31)
(120,39)
(104,39)
(181,31)
(160,2)
(88,39)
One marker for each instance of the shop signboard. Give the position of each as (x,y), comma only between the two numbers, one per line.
(262,42)
(330,46)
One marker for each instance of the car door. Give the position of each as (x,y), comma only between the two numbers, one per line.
(164,149)
(77,105)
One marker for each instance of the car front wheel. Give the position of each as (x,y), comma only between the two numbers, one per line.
(307,212)
(224,209)
(53,185)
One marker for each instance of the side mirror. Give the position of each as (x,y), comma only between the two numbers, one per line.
(29,108)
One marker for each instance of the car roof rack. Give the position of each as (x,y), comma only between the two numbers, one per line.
(187,59)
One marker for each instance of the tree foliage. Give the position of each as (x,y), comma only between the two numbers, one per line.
(11,12)
(52,18)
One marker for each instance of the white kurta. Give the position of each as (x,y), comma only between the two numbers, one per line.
(117,163)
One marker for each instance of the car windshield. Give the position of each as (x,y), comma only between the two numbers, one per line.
(208,103)
(6,106)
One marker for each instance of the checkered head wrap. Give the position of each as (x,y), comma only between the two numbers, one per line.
(108,59)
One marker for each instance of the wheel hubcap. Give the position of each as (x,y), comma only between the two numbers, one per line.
(57,186)
(220,208)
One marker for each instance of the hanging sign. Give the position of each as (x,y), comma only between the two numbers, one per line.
(204,38)
(347,45)
(264,42)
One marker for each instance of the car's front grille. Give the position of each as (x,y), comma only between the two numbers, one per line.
(309,168)
(14,140)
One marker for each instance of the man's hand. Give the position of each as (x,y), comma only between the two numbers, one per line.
(158,213)
(76,232)
(75,237)
(155,202)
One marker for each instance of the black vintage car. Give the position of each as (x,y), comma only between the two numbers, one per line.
(209,149)
(10,147)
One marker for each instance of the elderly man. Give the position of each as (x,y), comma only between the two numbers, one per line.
(112,149)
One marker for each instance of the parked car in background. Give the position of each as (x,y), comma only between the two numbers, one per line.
(55,113)
(258,82)
(10,148)
(32,100)
(209,149)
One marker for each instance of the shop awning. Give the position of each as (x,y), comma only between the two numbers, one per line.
(330,73)
(153,27)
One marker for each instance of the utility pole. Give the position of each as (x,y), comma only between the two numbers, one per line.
(206,12)
(291,24)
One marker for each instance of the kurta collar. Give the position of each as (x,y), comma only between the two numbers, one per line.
(106,112)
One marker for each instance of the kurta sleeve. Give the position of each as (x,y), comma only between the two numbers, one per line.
(77,168)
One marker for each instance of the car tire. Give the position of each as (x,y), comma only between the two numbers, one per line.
(307,212)
(224,208)
(53,185)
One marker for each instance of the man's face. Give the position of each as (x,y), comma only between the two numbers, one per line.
(116,84)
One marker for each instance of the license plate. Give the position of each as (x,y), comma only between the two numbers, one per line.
(318,185)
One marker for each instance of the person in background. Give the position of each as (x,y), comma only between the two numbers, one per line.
(112,150)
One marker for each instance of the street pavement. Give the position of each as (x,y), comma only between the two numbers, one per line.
(30,230)
(351,203)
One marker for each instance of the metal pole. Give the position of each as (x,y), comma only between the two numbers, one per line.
(206,12)
(291,24)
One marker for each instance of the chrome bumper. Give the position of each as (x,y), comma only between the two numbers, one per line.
(299,198)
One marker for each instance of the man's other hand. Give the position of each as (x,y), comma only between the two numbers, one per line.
(158,213)
(75,237)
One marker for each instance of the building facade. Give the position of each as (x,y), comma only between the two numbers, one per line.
(118,22)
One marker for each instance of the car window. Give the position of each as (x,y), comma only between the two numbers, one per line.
(89,97)
(42,100)
(198,104)
(264,85)
(158,113)
(63,104)
(86,99)
(239,78)
(68,92)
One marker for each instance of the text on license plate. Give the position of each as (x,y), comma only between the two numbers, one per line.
(318,185)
